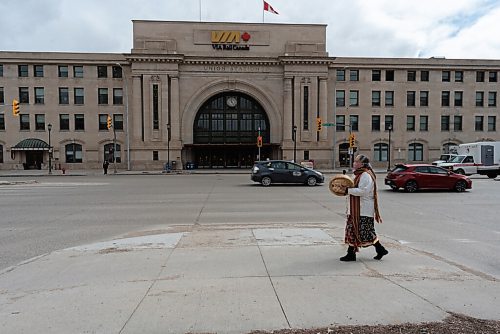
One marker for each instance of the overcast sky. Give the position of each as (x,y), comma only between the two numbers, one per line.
(356,28)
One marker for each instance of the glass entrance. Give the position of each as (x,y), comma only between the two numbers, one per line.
(225,132)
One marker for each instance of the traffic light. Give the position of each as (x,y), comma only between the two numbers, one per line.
(15,107)
(318,124)
(109,122)
(352,140)
(259,141)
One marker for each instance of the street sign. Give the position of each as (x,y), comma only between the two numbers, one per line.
(328,124)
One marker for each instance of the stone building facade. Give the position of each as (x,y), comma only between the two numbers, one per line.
(199,94)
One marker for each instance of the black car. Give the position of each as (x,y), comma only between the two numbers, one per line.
(280,171)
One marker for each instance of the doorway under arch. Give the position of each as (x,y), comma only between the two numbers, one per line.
(225,132)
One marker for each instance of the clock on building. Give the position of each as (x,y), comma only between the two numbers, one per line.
(231,101)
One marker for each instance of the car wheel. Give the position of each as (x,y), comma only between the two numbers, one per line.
(460,171)
(311,181)
(411,186)
(266,181)
(492,175)
(460,186)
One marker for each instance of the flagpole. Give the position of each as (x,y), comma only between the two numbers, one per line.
(263,12)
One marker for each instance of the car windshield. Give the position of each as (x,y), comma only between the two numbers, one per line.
(399,169)
(458,158)
(444,157)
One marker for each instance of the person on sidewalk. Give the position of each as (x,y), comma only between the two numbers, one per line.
(363,211)
(105,166)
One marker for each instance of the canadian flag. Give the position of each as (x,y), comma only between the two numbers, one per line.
(269,8)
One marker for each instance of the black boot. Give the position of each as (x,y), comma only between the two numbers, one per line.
(351,255)
(381,251)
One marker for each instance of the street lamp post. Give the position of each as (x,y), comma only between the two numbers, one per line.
(294,143)
(126,115)
(49,127)
(389,149)
(169,167)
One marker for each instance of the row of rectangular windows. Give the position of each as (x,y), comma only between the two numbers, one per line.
(411,125)
(64,120)
(79,122)
(411,75)
(63,71)
(411,98)
(79,95)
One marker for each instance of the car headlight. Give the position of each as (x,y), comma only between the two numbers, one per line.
(255,169)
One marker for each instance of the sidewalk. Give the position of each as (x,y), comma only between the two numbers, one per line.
(235,279)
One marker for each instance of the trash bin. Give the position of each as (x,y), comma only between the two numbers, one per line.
(167,166)
(172,164)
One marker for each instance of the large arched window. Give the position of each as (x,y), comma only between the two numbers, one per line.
(230,118)
(108,152)
(74,153)
(380,152)
(415,152)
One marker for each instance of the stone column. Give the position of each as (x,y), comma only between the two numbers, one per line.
(135,113)
(287,110)
(175,112)
(323,107)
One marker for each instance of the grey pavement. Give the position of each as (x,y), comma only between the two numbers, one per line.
(235,279)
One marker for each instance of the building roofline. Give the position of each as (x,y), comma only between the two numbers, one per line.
(232,23)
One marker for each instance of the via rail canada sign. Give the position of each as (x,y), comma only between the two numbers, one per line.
(230,40)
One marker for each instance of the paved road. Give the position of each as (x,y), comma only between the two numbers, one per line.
(60,212)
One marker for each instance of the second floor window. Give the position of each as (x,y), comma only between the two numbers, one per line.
(354,121)
(389,98)
(22,70)
(102,71)
(38,71)
(376,98)
(389,75)
(353,75)
(389,122)
(492,123)
(479,99)
(353,98)
(40,122)
(63,95)
(117,72)
(118,121)
(458,99)
(340,123)
(79,96)
(410,123)
(410,99)
(459,76)
(79,122)
(103,122)
(24,122)
(492,99)
(103,96)
(376,75)
(457,123)
(424,123)
(340,75)
(62,71)
(340,98)
(64,122)
(39,95)
(24,95)
(492,76)
(375,123)
(117,96)
(412,75)
(424,99)
(78,71)
(445,123)
(445,76)
(424,75)
(445,99)
(479,124)
(480,76)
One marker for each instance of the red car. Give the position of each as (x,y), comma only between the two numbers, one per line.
(422,176)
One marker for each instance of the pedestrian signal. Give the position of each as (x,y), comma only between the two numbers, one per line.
(259,141)
(318,124)
(109,122)
(15,107)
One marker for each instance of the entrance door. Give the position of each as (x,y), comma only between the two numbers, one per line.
(225,132)
(344,155)
(34,159)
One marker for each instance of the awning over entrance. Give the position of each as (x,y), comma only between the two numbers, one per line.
(31,144)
